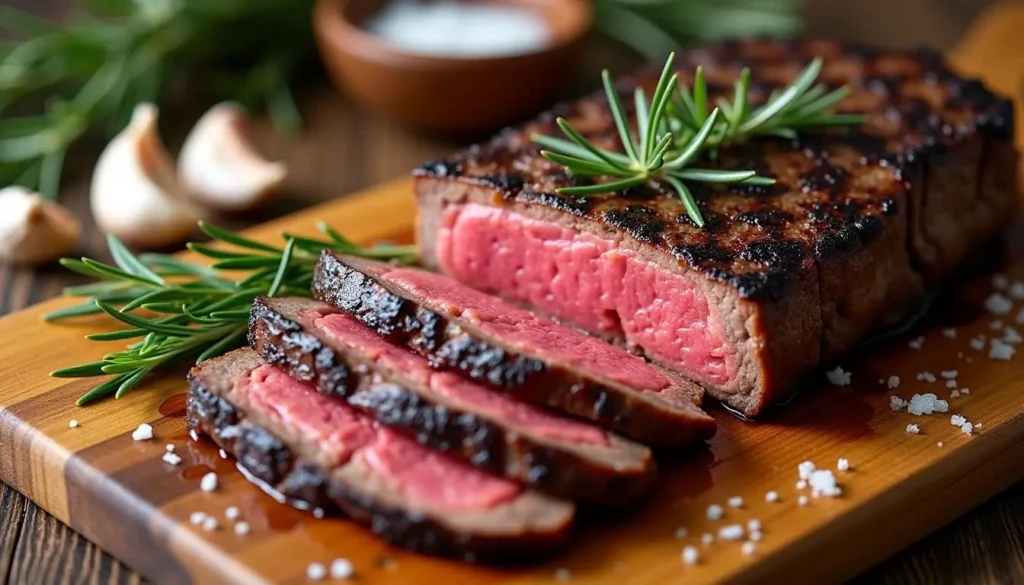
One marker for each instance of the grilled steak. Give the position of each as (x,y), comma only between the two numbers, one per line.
(318,450)
(314,342)
(534,359)
(860,221)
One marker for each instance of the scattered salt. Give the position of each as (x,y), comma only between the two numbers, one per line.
(995,325)
(1000,282)
(771,497)
(169,447)
(223,455)
(843,464)
(756,536)
(715,512)
(939,444)
(823,483)
(978,343)
(209,482)
(1017,290)
(143,433)
(342,569)
(194,435)
(691,556)
(172,458)
(967,428)
(316,571)
(997,304)
(805,469)
(754,525)
(318,512)
(913,429)
(210,524)
(802,484)
(950,374)
(897,403)
(748,548)
(232,513)
(242,528)
(563,575)
(838,377)
(954,394)
(965,391)
(894,382)
(197,518)
(72,424)
(950,383)
(926,377)
(1011,336)
(682,533)
(731,532)
(916,343)
(957,420)
(926,404)
(708,538)
(950,333)
(1001,351)
(735,502)
(802,501)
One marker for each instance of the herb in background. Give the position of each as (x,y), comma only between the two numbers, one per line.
(178,310)
(677,126)
(85,75)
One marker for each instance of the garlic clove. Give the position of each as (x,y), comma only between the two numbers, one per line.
(34,230)
(135,193)
(219,166)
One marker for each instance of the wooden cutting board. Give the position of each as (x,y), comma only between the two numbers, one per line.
(120,494)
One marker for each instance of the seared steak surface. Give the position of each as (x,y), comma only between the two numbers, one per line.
(318,451)
(860,221)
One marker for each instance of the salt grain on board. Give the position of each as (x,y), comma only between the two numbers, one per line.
(954,394)
(197,518)
(756,536)
(691,556)
(316,571)
(754,525)
(967,429)
(172,458)
(682,533)
(950,383)
(209,482)
(802,501)
(708,538)
(72,424)
(1001,351)
(823,483)
(838,377)
(342,569)
(957,420)
(194,435)
(921,404)
(897,403)
(950,333)
(913,430)
(731,532)
(843,464)
(926,377)
(802,484)
(242,528)
(771,497)
(1017,290)
(805,469)
(978,343)
(1011,336)
(894,382)
(735,502)
(995,325)
(714,512)
(232,513)
(210,524)
(143,433)
(748,548)
(916,343)
(950,374)
(997,304)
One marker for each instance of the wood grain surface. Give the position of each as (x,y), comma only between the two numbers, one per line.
(343,151)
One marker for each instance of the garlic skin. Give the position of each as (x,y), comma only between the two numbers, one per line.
(33,229)
(135,193)
(219,166)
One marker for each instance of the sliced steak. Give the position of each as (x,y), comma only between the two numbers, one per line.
(566,458)
(536,360)
(860,221)
(318,450)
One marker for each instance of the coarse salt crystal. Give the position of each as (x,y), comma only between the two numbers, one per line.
(731,532)
(748,548)
(978,343)
(72,424)
(967,428)
(950,374)
(1011,336)
(754,525)
(954,394)
(926,377)
(950,333)
(921,404)
(342,569)
(242,528)
(916,343)
(232,513)
(957,420)
(897,403)
(715,512)
(318,512)
(838,377)
(682,532)
(169,447)
(823,483)
(950,383)
(997,304)
(802,501)
(1001,351)
(691,556)
(708,538)
(1017,290)
(965,390)
(210,524)
(802,484)
(209,482)
(805,469)
(197,518)
(563,575)
(735,502)
(939,443)
(894,382)
(143,433)
(977,426)
(995,325)
(771,497)
(316,571)
(172,458)
(1000,281)
(223,455)
(843,464)
(756,536)
(913,429)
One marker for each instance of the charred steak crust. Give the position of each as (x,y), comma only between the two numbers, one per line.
(449,343)
(860,221)
(268,458)
(620,472)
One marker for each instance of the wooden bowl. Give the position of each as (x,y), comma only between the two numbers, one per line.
(448,94)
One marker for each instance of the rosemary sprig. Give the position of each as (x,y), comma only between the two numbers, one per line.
(677,126)
(176,310)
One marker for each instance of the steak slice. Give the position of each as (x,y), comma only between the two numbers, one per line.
(319,451)
(569,459)
(859,223)
(486,339)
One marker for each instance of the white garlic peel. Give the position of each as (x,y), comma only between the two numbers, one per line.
(34,229)
(135,193)
(219,166)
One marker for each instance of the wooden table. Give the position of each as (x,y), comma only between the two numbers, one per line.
(345,149)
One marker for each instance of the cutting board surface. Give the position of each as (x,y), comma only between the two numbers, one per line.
(120,493)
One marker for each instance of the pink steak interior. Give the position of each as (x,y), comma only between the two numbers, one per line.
(345,330)
(409,468)
(584,280)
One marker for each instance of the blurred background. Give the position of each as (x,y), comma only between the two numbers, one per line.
(333,116)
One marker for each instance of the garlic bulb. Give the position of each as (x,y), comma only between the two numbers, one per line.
(135,192)
(33,229)
(219,166)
